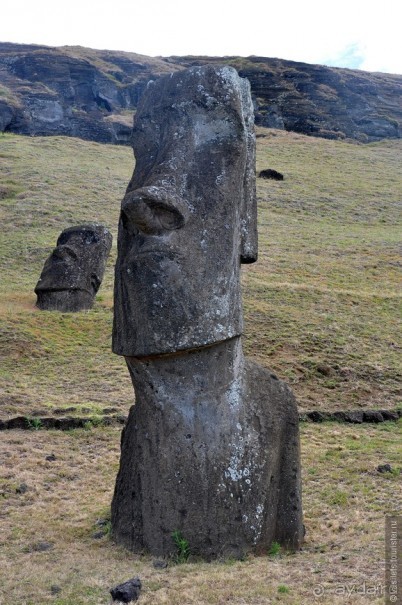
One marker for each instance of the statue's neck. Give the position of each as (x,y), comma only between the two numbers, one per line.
(192,376)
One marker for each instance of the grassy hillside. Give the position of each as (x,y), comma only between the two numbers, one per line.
(321,308)
(321,305)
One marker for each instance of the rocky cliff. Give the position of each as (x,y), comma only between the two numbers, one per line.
(92,94)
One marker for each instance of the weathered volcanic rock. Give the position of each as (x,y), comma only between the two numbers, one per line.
(211,448)
(127,592)
(73,272)
(269,173)
(86,93)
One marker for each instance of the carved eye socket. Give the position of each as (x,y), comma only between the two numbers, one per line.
(152,214)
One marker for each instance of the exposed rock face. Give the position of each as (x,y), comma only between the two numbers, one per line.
(211,448)
(73,272)
(87,93)
(72,91)
(321,101)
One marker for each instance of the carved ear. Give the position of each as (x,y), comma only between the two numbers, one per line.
(248,214)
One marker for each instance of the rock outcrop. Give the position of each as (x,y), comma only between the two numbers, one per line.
(92,94)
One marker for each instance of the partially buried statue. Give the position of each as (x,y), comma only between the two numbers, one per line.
(73,272)
(211,447)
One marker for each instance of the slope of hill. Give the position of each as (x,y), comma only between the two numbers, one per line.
(321,304)
(92,94)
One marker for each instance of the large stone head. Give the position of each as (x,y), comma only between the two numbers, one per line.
(73,272)
(188,219)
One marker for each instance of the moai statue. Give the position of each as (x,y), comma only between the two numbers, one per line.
(211,446)
(73,273)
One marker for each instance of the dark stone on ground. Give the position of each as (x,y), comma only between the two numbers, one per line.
(51,458)
(389,415)
(99,534)
(269,173)
(21,489)
(128,591)
(355,417)
(54,589)
(317,416)
(384,468)
(373,416)
(74,271)
(159,564)
(18,422)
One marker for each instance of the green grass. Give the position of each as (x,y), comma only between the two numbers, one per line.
(321,305)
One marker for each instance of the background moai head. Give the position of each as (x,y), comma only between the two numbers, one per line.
(188,218)
(73,272)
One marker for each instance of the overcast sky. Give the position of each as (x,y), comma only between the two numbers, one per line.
(345,33)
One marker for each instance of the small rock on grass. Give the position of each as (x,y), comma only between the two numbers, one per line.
(159,564)
(54,589)
(127,592)
(384,468)
(21,489)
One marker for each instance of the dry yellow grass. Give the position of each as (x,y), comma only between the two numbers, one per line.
(345,501)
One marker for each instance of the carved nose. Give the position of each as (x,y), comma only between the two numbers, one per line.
(154,210)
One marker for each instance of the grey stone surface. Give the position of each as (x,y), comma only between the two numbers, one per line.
(189,215)
(211,447)
(73,272)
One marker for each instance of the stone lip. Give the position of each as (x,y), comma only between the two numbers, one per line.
(87,93)
(65,423)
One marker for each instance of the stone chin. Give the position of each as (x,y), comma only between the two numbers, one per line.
(176,315)
(65,301)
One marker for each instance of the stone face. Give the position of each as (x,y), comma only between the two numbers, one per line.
(73,272)
(211,447)
(189,215)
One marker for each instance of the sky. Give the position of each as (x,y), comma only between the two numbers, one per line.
(346,33)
